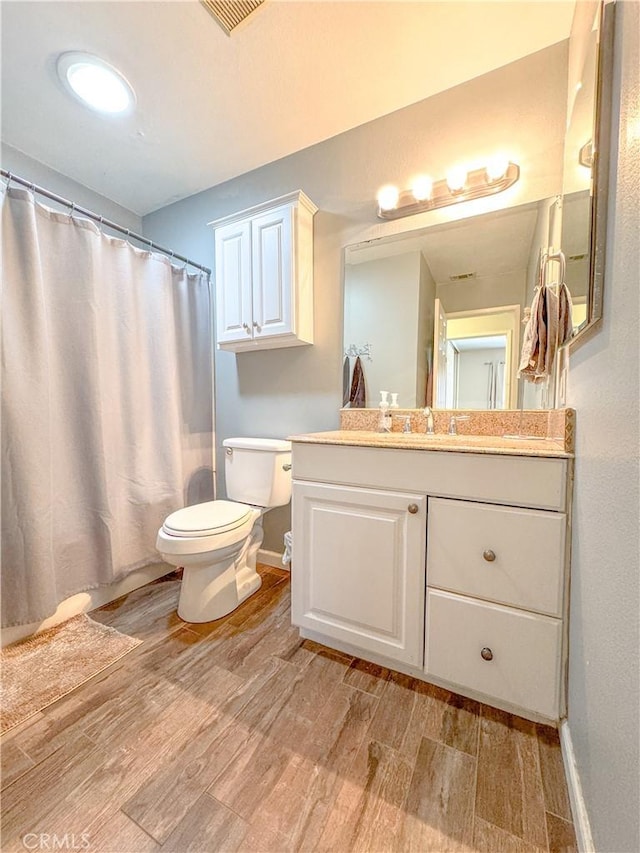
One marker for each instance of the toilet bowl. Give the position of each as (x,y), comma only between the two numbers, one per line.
(216,543)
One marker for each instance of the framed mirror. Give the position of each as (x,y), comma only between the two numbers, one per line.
(586,161)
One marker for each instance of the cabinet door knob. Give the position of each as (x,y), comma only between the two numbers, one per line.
(486,654)
(413,508)
(247,328)
(257,326)
(489,556)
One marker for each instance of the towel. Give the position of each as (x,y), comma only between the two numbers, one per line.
(346,376)
(549,327)
(358,396)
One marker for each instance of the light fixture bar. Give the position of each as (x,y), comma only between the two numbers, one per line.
(477,186)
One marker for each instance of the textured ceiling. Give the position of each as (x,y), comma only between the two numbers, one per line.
(210,107)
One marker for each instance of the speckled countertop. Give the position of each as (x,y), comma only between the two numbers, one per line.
(452,443)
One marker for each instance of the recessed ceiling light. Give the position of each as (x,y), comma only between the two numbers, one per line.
(95,83)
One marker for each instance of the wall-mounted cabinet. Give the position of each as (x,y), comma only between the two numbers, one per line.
(264,275)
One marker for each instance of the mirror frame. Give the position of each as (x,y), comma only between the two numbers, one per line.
(600,179)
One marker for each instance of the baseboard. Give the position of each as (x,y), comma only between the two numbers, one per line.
(271,558)
(578,805)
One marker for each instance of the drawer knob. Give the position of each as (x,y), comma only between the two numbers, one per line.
(413,508)
(486,654)
(489,556)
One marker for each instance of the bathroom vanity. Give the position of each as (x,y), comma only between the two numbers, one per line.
(443,557)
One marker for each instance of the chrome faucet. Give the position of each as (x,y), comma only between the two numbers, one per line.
(452,423)
(429,416)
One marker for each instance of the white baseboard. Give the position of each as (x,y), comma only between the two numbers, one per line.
(271,558)
(82,602)
(578,805)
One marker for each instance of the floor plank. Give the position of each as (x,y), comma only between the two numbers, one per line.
(439,809)
(13,763)
(562,836)
(368,812)
(509,791)
(488,838)
(554,782)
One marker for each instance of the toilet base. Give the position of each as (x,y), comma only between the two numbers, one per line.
(211,590)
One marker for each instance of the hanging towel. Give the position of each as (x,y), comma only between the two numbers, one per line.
(346,376)
(549,327)
(358,396)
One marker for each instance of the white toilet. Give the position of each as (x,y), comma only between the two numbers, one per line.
(217,542)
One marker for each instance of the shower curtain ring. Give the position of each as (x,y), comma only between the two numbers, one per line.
(73,207)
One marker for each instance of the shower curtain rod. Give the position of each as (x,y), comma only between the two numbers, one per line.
(100,219)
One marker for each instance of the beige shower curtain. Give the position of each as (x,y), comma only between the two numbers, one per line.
(106,404)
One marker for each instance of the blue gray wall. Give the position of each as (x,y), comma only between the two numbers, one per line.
(281,392)
(26,167)
(604,674)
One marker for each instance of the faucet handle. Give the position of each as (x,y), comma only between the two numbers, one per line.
(407,422)
(452,423)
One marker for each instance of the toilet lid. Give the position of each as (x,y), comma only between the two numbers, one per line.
(206,519)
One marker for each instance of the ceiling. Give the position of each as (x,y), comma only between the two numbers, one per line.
(490,245)
(211,107)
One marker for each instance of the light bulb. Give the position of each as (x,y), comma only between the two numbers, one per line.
(456,179)
(388,197)
(422,188)
(497,167)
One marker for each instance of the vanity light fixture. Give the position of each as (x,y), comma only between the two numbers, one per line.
(460,185)
(95,83)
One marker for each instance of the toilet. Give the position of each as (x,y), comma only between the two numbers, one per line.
(217,542)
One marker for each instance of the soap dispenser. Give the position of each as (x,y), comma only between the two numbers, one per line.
(384,420)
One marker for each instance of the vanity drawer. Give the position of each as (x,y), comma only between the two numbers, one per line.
(512,556)
(524,650)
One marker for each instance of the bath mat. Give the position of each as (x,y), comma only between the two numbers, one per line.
(39,670)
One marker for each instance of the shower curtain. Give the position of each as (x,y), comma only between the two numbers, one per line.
(106,404)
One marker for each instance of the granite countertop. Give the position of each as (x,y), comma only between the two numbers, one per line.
(452,443)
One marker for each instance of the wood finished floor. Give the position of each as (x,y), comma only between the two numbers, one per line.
(239,736)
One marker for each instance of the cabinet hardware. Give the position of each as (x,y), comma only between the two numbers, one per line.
(489,556)
(257,326)
(486,654)
(286,466)
(247,328)
(413,508)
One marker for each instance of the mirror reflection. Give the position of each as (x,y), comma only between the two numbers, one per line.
(436,315)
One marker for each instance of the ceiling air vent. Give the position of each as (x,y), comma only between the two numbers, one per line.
(463,276)
(230,13)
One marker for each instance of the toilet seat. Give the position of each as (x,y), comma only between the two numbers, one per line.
(206,519)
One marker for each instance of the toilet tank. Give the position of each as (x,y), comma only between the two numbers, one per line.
(258,470)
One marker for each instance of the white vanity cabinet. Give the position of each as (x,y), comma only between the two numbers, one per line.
(264,275)
(447,566)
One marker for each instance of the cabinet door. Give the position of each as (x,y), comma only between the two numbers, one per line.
(272,249)
(233,282)
(358,567)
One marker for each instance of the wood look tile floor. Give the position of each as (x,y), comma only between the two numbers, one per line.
(239,736)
